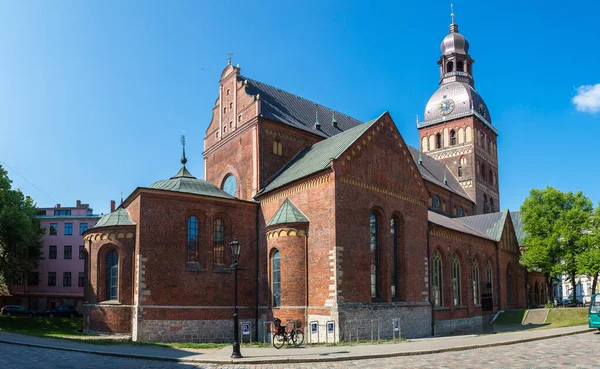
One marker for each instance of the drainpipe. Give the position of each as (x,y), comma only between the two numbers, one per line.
(306,278)
(498,275)
(429,281)
(257,276)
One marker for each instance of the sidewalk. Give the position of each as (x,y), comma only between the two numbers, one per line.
(270,355)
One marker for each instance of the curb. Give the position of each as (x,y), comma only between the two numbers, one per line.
(296,360)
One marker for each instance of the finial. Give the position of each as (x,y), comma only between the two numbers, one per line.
(183,158)
(452,12)
(333,120)
(231,54)
(445,179)
(453,26)
(121,197)
(420,158)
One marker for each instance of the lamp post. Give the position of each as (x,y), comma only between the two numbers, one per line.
(235,254)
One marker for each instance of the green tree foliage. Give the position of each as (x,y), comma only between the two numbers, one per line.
(556,226)
(589,260)
(20,233)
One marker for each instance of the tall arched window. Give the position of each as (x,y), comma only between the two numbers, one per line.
(374,249)
(276,278)
(509,285)
(489,278)
(456,280)
(485,204)
(395,270)
(438,141)
(436,283)
(449,67)
(452,137)
(475,279)
(218,245)
(460,212)
(460,171)
(192,239)
(112,275)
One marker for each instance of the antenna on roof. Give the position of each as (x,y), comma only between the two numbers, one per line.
(317,124)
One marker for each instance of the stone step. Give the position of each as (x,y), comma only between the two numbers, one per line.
(536,316)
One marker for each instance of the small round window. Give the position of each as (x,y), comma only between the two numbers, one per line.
(436,202)
(230,184)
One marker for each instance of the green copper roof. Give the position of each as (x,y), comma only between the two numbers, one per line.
(119,217)
(185,182)
(287,213)
(517,219)
(491,224)
(317,157)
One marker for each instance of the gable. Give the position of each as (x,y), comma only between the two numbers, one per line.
(509,241)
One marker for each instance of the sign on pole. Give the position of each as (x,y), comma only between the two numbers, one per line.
(245,328)
(396,325)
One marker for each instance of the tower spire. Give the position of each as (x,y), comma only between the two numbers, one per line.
(453,26)
(452,12)
(183,158)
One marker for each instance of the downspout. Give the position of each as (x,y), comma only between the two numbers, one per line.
(257,276)
(306,277)
(429,280)
(498,275)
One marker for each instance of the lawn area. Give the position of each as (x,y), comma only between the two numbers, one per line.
(42,326)
(567,317)
(511,317)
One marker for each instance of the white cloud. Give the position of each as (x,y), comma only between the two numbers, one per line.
(588,98)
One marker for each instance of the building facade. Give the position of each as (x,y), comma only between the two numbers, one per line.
(341,222)
(59,279)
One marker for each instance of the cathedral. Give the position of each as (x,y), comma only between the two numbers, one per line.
(341,222)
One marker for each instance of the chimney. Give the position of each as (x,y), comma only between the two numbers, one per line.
(112,205)
(58,206)
(78,203)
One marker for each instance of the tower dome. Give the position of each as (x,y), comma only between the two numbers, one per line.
(454,43)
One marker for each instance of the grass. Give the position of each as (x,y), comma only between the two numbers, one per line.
(42,326)
(511,317)
(567,317)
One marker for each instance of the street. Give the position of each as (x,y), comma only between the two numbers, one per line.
(577,351)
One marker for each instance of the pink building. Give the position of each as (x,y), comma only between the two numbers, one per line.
(60,278)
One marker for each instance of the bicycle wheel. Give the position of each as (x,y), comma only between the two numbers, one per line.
(298,337)
(278,340)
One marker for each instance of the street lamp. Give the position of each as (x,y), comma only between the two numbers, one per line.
(236,246)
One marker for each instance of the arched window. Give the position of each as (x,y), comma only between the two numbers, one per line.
(218,245)
(460,211)
(112,275)
(509,285)
(438,141)
(475,279)
(436,202)
(276,279)
(395,272)
(490,278)
(491,177)
(449,67)
(374,240)
(192,239)
(456,280)
(460,171)
(460,66)
(436,283)
(452,137)
(486,208)
(483,170)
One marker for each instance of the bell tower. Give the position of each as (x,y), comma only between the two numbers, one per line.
(457,127)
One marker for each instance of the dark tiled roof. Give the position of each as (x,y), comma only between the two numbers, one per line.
(183,181)
(455,224)
(295,111)
(517,219)
(433,171)
(491,224)
(287,213)
(119,217)
(316,157)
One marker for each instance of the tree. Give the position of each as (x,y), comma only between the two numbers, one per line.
(555,224)
(20,233)
(589,260)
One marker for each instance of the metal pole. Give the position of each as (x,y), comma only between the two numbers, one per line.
(236,344)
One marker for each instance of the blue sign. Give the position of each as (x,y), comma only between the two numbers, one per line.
(245,328)
(313,327)
(330,327)
(396,325)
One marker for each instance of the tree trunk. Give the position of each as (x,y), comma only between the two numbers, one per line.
(574,285)
(594,282)
(549,291)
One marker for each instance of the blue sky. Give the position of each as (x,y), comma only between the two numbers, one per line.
(95,95)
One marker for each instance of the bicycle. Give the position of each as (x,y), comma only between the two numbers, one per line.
(281,336)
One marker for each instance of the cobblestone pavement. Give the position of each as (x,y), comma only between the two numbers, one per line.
(578,351)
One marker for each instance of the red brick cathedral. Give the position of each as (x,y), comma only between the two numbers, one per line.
(340,221)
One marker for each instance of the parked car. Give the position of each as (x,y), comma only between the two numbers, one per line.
(65,310)
(16,310)
(569,303)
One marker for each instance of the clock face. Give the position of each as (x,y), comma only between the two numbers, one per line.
(230,185)
(481,109)
(446,106)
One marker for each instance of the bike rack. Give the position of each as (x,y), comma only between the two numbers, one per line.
(330,328)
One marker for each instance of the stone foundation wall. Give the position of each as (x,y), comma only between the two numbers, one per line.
(373,320)
(472,325)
